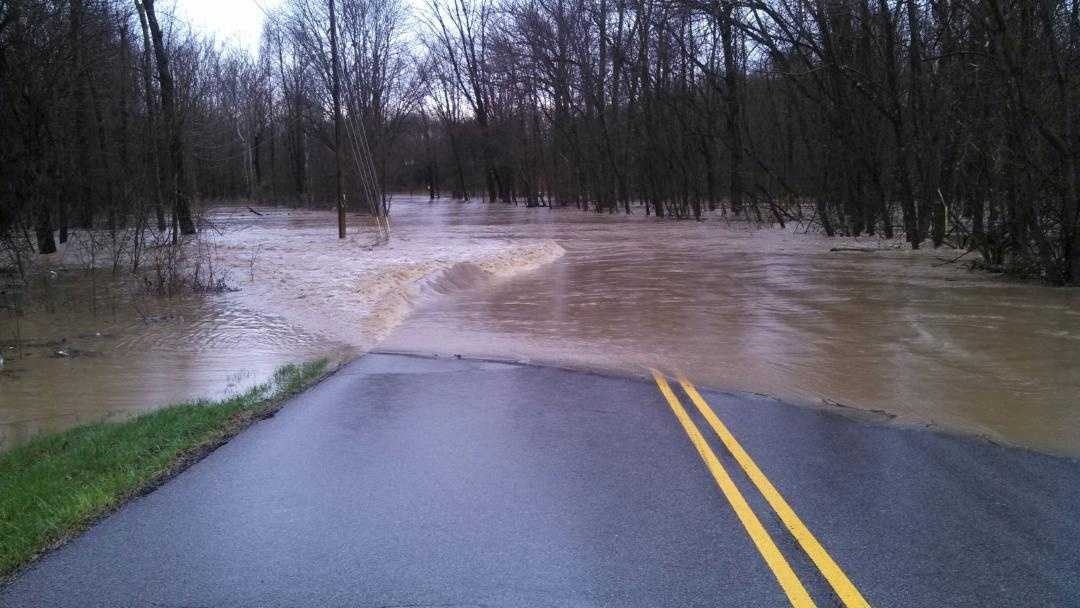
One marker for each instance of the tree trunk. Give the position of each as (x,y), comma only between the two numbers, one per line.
(44,231)
(339,174)
(731,83)
(177,182)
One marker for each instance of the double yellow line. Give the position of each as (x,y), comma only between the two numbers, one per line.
(787,578)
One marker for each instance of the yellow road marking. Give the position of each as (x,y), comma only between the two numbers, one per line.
(829,568)
(790,583)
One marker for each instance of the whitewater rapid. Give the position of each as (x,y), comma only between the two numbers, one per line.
(287,263)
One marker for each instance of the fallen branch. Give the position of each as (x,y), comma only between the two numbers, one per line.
(947,262)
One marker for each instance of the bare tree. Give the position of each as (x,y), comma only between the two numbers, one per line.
(177,176)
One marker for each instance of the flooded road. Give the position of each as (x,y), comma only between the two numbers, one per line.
(734,307)
(763,310)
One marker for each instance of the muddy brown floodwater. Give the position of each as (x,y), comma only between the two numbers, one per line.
(768,311)
(91,347)
(734,307)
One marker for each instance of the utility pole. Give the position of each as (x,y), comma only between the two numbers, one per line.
(339,178)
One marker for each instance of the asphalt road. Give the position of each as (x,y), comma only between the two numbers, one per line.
(413,482)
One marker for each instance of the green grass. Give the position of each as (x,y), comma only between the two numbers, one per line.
(57,485)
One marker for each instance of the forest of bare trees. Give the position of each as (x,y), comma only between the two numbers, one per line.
(936,120)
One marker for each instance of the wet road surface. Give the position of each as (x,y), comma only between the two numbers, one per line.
(403,481)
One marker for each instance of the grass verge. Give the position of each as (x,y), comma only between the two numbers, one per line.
(57,485)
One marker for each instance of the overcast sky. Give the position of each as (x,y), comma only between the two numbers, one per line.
(238,21)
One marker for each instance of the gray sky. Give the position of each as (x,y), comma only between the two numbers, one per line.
(236,21)
(239,21)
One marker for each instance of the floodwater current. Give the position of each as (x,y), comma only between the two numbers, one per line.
(733,306)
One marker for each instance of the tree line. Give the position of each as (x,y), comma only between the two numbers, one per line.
(936,120)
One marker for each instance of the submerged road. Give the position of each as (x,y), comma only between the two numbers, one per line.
(402,481)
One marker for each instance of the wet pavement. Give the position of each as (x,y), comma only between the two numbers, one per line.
(403,481)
